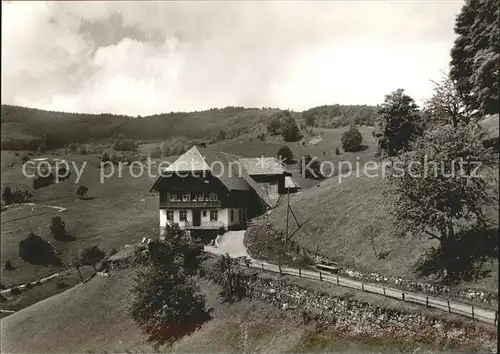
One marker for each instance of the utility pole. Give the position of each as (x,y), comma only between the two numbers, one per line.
(287,212)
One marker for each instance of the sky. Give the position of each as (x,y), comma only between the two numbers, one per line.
(142,58)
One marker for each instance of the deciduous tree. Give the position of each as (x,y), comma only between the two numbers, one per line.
(475,55)
(399,121)
(440,189)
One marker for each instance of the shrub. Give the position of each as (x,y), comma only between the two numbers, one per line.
(124,145)
(221,135)
(82,191)
(58,228)
(36,250)
(156,153)
(274,126)
(285,154)
(351,140)
(91,256)
(310,168)
(337,151)
(82,150)
(8,265)
(15,291)
(72,147)
(228,273)
(105,157)
(7,195)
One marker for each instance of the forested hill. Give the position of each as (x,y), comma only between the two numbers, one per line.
(27,128)
(335,116)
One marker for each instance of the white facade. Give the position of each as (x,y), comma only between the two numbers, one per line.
(226,217)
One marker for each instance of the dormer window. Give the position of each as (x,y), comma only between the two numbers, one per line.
(186,197)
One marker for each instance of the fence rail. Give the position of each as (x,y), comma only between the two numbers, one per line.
(472,311)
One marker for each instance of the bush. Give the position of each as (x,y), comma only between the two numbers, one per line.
(72,147)
(156,153)
(337,151)
(274,126)
(285,154)
(310,168)
(105,157)
(82,150)
(82,191)
(124,145)
(91,256)
(221,135)
(58,228)
(8,265)
(351,140)
(36,250)
(228,273)
(7,195)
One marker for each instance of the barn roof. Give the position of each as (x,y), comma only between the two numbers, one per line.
(262,166)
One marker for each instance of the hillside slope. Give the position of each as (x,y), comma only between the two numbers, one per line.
(338,216)
(25,128)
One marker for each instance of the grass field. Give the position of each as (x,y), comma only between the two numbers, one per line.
(337,216)
(93,317)
(117,212)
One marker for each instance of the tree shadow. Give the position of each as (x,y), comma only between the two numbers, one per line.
(87,198)
(359,149)
(170,333)
(463,259)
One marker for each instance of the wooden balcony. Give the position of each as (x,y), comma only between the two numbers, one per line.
(190,204)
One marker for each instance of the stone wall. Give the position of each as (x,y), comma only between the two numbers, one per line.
(356,317)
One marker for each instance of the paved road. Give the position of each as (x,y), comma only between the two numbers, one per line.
(232,243)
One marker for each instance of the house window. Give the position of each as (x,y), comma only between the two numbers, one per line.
(232,215)
(183,215)
(186,197)
(170,215)
(204,213)
(213,196)
(200,196)
(172,197)
(213,215)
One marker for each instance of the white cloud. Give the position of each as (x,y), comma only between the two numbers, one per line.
(287,54)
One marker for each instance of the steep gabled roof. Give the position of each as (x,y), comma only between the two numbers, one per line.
(191,160)
(226,167)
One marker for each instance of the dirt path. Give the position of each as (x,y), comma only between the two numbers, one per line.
(232,242)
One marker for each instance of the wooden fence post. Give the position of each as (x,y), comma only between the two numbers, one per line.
(427,301)
(472,311)
(262,265)
(449,308)
(300,272)
(279,267)
(337,281)
(384,291)
(320,275)
(362,286)
(403,296)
